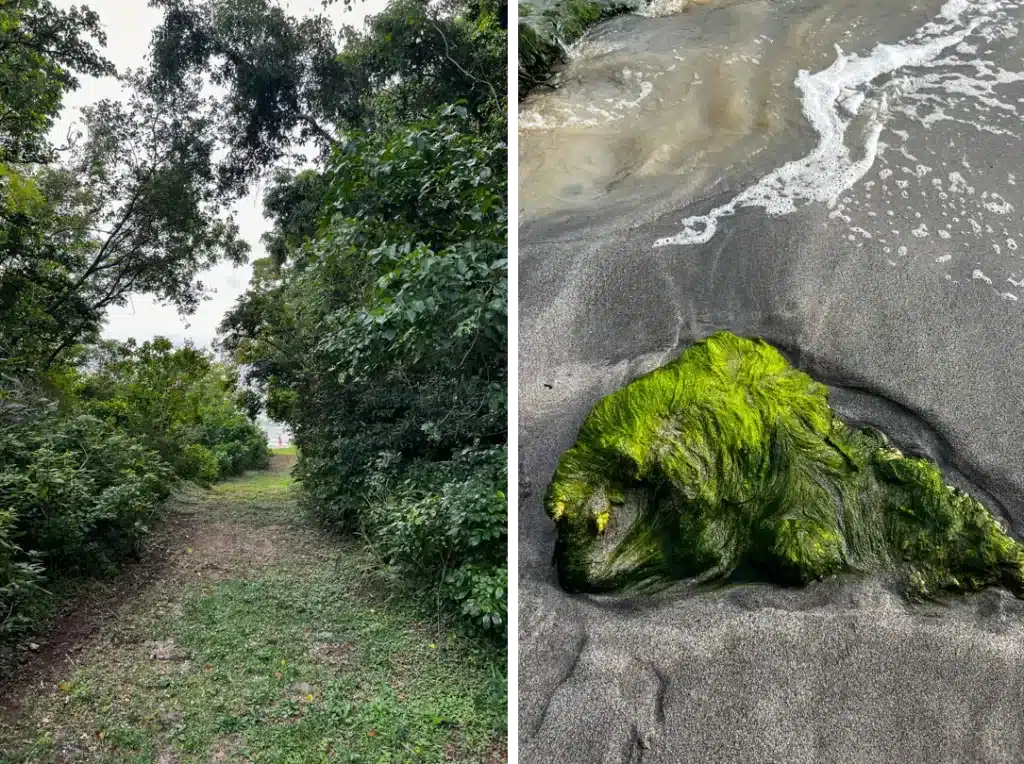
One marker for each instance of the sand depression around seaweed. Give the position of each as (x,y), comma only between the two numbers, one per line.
(728,463)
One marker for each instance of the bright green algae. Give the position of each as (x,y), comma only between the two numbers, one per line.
(729,464)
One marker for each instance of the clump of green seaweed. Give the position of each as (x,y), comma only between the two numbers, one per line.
(729,464)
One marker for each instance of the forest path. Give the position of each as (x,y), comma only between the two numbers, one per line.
(249,635)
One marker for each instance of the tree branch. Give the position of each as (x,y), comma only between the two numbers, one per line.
(98,260)
(318,129)
(448,55)
(68,341)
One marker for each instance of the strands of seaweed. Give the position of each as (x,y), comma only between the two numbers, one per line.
(729,462)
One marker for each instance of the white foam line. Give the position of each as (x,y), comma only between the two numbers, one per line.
(594,115)
(830,169)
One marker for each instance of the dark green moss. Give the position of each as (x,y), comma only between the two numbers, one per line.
(728,463)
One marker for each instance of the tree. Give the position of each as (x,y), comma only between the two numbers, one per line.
(285,83)
(382,342)
(134,208)
(292,81)
(41,49)
(419,56)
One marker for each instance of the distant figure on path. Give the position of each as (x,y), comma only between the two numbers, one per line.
(279,442)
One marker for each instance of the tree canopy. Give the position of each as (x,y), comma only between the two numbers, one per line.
(43,50)
(290,81)
(129,206)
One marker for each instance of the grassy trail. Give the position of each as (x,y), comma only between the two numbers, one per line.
(250,636)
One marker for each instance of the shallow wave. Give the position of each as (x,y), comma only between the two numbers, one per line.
(833,98)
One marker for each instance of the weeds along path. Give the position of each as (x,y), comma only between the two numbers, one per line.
(253,637)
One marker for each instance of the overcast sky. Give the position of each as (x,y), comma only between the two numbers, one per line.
(129,24)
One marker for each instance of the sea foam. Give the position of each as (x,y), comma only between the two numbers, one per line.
(831,100)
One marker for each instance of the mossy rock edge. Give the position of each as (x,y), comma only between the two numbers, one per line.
(544,34)
(728,464)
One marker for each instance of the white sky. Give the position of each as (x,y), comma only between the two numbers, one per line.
(129,24)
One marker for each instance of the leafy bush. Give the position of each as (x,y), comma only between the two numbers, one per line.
(20,580)
(418,358)
(88,454)
(546,33)
(78,492)
(77,495)
(199,463)
(449,518)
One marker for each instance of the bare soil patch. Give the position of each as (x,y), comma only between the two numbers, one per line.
(223,550)
(334,653)
(100,604)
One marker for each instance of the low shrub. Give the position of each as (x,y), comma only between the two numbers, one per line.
(199,463)
(77,491)
(20,580)
(446,527)
(89,453)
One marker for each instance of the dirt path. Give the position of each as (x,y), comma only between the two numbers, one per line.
(247,635)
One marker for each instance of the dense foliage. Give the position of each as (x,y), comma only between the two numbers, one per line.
(383,343)
(289,81)
(376,327)
(77,495)
(93,435)
(89,453)
(177,401)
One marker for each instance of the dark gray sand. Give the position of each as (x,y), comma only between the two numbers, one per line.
(926,347)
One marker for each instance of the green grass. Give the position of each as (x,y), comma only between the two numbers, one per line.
(255,487)
(728,464)
(284,450)
(289,647)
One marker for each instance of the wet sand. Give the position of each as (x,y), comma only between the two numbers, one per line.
(919,333)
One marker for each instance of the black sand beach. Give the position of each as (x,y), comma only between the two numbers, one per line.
(916,333)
